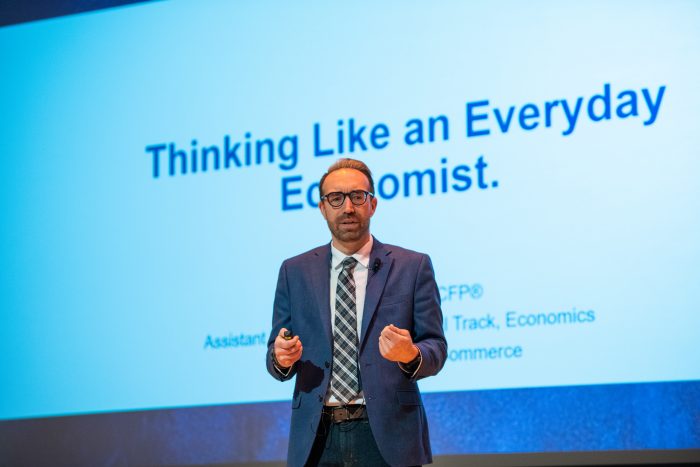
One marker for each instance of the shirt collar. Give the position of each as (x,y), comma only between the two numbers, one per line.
(361,255)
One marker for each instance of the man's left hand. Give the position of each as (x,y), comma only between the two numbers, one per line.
(396,345)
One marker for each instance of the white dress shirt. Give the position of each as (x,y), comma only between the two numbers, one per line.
(360,274)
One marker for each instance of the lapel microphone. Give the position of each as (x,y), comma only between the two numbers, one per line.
(377,265)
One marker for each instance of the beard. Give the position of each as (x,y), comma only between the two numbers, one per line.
(348,228)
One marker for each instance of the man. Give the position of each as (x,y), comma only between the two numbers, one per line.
(369,318)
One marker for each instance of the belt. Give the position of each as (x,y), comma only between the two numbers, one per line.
(345,413)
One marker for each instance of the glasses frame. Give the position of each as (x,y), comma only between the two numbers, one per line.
(367,195)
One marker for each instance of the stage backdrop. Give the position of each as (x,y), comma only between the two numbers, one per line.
(159,161)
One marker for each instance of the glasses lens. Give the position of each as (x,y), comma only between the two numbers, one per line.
(358,197)
(335,199)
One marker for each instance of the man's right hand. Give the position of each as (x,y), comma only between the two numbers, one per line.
(287,352)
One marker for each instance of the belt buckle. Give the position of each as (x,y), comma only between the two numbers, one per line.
(347,413)
(341,414)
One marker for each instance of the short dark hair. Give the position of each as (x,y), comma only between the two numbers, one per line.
(348,164)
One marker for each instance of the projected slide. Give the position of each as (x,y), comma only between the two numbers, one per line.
(153,182)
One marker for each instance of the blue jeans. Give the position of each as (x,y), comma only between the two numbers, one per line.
(345,444)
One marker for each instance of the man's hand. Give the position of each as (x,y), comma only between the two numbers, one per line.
(287,352)
(396,345)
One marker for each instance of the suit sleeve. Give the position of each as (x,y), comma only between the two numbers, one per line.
(427,322)
(281,318)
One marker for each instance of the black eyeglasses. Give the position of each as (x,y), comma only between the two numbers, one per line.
(337,198)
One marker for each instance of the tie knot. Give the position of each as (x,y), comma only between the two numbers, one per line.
(349,263)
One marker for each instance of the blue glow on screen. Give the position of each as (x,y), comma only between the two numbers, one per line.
(543,154)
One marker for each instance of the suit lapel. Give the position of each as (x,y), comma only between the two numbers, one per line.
(375,284)
(320,280)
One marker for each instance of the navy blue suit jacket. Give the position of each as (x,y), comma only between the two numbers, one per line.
(403,292)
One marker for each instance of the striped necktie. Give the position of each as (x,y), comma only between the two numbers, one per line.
(345,379)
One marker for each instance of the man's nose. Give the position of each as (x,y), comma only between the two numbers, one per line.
(347,205)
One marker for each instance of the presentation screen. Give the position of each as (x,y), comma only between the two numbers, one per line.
(160,161)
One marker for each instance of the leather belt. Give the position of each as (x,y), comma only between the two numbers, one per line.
(345,413)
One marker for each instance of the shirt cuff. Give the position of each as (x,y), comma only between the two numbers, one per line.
(411,368)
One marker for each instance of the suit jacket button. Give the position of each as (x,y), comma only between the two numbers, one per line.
(328,364)
(320,398)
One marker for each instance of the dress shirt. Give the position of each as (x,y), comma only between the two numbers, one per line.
(360,274)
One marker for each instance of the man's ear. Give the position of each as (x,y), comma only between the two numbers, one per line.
(373,204)
(322,208)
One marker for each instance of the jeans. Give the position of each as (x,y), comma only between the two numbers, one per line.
(345,444)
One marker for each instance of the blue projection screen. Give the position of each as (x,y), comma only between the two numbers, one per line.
(160,161)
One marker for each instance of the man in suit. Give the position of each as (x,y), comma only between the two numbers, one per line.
(369,317)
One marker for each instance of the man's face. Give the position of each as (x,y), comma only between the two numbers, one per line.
(347,223)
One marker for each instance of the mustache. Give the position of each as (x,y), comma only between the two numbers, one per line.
(347,217)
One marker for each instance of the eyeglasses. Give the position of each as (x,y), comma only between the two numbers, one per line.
(337,198)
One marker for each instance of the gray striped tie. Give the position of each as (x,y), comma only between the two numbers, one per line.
(345,381)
